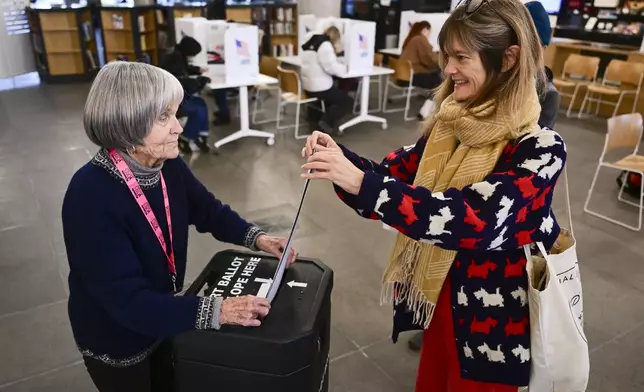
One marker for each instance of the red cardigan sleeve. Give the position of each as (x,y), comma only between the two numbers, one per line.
(508,209)
(401,164)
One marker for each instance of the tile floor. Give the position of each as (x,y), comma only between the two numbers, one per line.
(42,143)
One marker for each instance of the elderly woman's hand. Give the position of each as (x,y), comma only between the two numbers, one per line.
(275,246)
(318,140)
(245,311)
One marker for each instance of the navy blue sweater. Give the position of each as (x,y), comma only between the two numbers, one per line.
(121,300)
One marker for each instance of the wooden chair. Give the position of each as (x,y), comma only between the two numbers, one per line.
(291,93)
(620,79)
(402,79)
(578,71)
(267,66)
(378,59)
(624,134)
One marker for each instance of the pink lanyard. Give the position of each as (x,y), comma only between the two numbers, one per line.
(140,198)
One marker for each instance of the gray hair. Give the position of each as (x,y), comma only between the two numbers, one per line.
(124,102)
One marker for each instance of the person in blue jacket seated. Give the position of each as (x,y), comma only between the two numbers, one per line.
(125,220)
(195,137)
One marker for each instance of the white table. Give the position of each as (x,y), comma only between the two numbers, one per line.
(365,74)
(364,115)
(391,51)
(245,131)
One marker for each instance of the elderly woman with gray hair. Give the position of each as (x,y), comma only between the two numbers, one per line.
(125,221)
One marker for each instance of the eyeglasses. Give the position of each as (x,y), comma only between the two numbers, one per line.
(471,6)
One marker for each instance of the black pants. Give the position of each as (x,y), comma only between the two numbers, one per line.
(337,103)
(155,374)
(427,81)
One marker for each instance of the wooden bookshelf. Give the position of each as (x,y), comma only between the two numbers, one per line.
(64,43)
(278,20)
(130,33)
(166,15)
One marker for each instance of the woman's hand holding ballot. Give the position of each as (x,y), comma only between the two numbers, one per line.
(327,161)
(316,140)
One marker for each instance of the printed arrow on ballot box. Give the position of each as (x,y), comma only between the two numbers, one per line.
(293,283)
(263,289)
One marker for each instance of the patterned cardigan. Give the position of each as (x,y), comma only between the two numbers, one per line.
(487,223)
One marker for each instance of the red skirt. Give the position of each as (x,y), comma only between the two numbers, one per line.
(439,369)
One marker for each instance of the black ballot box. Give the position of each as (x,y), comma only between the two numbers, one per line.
(289,352)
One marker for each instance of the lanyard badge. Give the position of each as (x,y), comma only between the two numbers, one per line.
(142,201)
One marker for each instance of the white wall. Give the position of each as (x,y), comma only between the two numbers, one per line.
(321,8)
(15,45)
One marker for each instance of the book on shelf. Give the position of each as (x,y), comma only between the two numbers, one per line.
(160,17)
(117,21)
(91,60)
(87,31)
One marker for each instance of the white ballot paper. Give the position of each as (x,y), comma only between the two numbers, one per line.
(279,274)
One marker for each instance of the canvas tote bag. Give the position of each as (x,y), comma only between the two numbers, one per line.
(558,345)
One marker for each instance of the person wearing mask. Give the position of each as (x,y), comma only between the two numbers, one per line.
(424,62)
(195,136)
(319,65)
(550,97)
(126,217)
(465,199)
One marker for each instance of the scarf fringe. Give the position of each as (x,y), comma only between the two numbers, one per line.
(414,300)
(401,288)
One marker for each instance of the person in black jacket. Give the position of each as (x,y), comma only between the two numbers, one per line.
(195,135)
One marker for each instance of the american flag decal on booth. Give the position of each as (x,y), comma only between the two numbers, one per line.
(242,48)
(363,42)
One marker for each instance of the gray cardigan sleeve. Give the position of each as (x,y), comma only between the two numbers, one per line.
(549,109)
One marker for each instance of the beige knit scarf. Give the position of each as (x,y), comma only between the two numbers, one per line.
(463,148)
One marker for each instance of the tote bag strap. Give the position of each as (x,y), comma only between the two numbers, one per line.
(568,209)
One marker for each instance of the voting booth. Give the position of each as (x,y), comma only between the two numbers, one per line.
(324,23)
(288,352)
(307,24)
(196,28)
(408,18)
(359,38)
(229,50)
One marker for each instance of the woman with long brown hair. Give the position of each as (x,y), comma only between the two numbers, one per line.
(424,61)
(472,191)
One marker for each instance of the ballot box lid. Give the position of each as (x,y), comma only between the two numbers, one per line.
(281,343)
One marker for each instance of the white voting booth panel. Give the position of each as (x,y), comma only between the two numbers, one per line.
(196,28)
(408,18)
(307,24)
(341,24)
(241,54)
(359,45)
(215,48)
(229,50)
(324,23)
